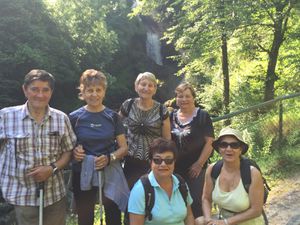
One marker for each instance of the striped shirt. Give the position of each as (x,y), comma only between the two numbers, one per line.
(25,144)
(142,127)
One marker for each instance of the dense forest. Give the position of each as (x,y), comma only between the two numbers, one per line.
(237,53)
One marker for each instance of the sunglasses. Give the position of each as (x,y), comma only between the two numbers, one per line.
(159,161)
(233,145)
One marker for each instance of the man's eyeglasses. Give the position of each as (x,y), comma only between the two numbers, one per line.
(233,145)
(159,161)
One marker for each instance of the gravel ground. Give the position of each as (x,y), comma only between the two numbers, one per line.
(283,205)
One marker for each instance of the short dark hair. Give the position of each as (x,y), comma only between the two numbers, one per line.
(161,145)
(37,74)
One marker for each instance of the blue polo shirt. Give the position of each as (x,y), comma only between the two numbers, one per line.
(165,211)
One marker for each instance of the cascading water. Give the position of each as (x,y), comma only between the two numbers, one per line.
(153,44)
(158,52)
(153,47)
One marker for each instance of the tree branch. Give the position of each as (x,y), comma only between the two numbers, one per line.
(287,16)
(263,48)
(267,11)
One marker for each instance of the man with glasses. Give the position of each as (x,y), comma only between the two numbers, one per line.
(35,145)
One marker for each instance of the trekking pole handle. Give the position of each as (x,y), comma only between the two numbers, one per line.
(39,188)
(41,185)
(102,169)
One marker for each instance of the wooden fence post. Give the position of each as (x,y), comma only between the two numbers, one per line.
(280,123)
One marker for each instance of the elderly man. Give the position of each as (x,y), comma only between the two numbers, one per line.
(35,145)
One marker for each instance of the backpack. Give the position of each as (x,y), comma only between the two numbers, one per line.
(150,194)
(246,177)
(131,101)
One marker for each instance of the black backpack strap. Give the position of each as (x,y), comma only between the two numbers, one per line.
(149,196)
(216,170)
(129,106)
(246,179)
(246,172)
(246,176)
(182,188)
(161,112)
(201,115)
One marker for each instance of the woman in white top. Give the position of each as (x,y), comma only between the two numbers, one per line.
(235,204)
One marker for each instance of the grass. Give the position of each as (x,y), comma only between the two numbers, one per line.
(281,163)
(72,218)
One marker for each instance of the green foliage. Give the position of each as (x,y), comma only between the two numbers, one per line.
(196,27)
(30,39)
(291,123)
(68,37)
(65,38)
(281,164)
(85,21)
(105,38)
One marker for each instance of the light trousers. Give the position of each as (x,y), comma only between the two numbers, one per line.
(54,214)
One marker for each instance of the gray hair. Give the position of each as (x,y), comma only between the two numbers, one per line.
(146,75)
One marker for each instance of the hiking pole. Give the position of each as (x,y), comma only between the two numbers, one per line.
(100,196)
(41,199)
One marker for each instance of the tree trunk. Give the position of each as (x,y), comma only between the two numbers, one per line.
(225,70)
(280,20)
(271,76)
(225,63)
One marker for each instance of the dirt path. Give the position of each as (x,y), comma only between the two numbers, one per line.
(283,205)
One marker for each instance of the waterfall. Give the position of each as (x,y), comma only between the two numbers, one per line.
(153,47)
(153,44)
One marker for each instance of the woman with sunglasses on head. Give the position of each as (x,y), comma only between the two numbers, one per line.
(193,133)
(235,204)
(101,144)
(169,206)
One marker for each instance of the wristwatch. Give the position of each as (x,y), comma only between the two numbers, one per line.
(54,168)
(113,157)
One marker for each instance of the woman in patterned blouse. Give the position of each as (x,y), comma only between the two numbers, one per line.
(145,119)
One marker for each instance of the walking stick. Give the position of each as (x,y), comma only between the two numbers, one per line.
(100,196)
(41,199)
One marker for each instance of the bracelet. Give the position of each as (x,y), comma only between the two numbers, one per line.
(226,222)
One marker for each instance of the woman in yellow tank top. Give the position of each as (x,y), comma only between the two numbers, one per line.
(235,205)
